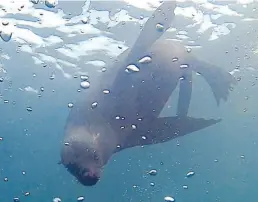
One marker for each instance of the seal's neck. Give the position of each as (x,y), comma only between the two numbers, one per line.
(100,137)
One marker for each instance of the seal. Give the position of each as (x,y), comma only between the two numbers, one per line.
(129,114)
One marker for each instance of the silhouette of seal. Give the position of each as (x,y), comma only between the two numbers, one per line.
(101,124)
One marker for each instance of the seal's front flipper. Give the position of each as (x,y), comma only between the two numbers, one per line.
(185,93)
(219,79)
(165,129)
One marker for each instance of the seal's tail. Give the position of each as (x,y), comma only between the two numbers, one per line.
(220,81)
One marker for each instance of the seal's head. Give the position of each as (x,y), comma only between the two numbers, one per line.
(82,161)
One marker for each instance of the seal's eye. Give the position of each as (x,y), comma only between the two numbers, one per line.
(95,156)
(73,168)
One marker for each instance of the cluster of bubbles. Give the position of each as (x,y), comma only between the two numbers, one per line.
(135,68)
(48,3)
(79,199)
(6,31)
(154,172)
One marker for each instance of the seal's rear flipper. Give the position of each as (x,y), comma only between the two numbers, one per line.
(165,129)
(219,79)
(163,16)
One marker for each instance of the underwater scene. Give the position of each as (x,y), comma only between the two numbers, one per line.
(128,100)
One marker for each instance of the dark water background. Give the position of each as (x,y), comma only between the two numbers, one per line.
(224,157)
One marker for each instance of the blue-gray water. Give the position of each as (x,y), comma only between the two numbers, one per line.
(57,43)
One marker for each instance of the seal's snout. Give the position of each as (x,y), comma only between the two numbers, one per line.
(88,179)
(86,176)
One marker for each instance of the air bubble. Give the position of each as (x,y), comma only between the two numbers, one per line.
(70,105)
(52,77)
(174,59)
(5,23)
(152,184)
(184,66)
(106,91)
(145,60)
(50,3)
(84,21)
(169,199)
(190,174)
(57,200)
(160,27)
(34,1)
(133,68)
(84,77)
(85,84)
(6,35)
(153,172)
(16,199)
(134,127)
(29,109)
(94,105)
(80,199)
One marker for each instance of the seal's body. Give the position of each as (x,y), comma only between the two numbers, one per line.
(128,116)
